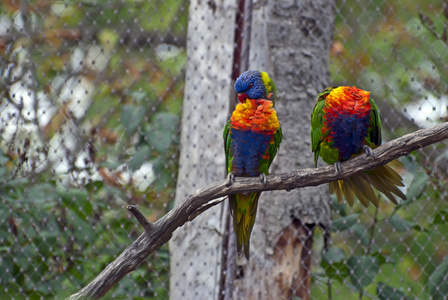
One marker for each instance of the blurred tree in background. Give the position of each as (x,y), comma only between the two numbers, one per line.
(90,103)
(91,93)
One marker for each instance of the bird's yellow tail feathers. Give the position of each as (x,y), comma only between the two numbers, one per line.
(244,211)
(384,178)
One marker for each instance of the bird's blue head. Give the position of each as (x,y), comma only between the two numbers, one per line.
(254,85)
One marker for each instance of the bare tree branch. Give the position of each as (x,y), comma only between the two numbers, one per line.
(140,218)
(161,231)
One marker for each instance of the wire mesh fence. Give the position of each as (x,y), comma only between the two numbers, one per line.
(397,50)
(91,103)
(91,97)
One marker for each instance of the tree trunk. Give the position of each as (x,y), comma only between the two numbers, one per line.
(196,248)
(290,40)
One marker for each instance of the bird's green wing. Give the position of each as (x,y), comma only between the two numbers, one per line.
(273,147)
(227,146)
(375,124)
(317,122)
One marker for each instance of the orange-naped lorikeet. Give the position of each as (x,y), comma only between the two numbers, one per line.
(345,122)
(251,139)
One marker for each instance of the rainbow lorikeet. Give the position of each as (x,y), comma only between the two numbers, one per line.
(345,122)
(251,139)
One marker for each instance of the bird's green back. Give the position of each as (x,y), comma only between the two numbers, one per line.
(227,147)
(317,123)
(375,125)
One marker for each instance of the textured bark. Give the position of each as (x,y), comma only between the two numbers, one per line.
(292,248)
(196,248)
(201,200)
(290,40)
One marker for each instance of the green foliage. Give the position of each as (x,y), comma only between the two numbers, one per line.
(361,233)
(396,50)
(344,223)
(416,188)
(54,235)
(406,247)
(334,263)
(441,217)
(438,281)
(363,270)
(402,225)
(131,117)
(161,133)
(141,156)
(108,79)
(386,292)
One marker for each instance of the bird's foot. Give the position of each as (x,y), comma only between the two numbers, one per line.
(263,178)
(337,167)
(230,179)
(367,150)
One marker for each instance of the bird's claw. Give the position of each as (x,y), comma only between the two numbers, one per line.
(367,150)
(337,167)
(263,178)
(230,179)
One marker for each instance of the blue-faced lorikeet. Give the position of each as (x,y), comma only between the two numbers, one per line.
(345,121)
(251,139)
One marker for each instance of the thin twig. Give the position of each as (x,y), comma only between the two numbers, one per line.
(369,246)
(372,231)
(140,217)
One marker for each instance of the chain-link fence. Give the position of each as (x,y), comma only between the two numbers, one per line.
(398,49)
(91,103)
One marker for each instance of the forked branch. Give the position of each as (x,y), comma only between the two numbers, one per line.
(158,233)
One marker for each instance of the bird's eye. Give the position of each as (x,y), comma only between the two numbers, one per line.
(251,85)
